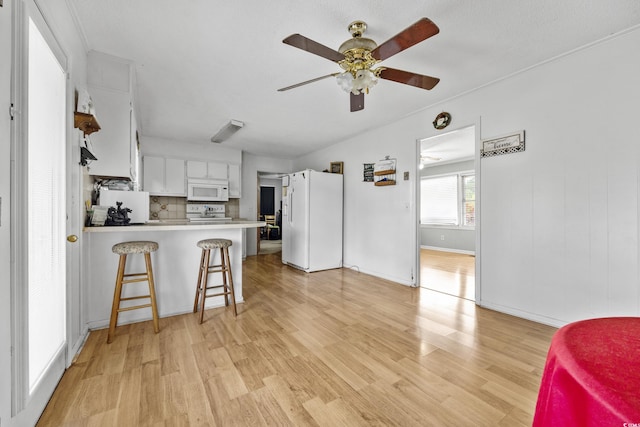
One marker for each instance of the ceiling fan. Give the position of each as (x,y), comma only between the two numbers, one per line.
(358,55)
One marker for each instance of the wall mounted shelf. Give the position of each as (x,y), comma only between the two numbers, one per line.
(385,172)
(87,123)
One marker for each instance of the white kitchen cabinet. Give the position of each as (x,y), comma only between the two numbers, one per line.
(153,174)
(212,170)
(112,145)
(235,188)
(164,176)
(217,170)
(196,169)
(174,177)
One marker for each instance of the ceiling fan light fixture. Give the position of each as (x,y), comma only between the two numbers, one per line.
(360,83)
(227,130)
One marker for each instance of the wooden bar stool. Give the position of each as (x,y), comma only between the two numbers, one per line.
(123,249)
(205,269)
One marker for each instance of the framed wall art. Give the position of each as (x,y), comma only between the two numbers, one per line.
(336,167)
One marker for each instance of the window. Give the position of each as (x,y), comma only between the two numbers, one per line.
(448,200)
(469,200)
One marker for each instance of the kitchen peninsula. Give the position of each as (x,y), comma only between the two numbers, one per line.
(175,266)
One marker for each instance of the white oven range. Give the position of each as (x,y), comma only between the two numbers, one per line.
(206,212)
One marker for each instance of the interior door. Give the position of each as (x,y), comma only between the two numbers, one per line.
(39,88)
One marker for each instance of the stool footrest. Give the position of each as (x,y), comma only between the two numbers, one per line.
(142,279)
(217,271)
(218,286)
(132,298)
(134,307)
(217,295)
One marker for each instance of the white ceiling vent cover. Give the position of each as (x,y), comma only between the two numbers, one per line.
(227,130)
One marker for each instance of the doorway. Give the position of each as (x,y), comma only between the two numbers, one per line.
(447,213)
(270,210)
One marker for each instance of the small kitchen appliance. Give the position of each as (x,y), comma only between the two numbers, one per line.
(207,190)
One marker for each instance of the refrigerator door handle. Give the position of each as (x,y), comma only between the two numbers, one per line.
(291,207)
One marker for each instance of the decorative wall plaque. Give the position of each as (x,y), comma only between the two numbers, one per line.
(505,144)
(368,172)
(442,120)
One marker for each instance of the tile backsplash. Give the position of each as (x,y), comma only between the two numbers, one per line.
(164,207)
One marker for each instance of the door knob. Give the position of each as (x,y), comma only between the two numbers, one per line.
(72,238)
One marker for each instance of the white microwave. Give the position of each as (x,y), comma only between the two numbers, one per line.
(207,190)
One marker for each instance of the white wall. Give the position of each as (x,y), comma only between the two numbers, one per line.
(251,165)
(561,219)
(559,222)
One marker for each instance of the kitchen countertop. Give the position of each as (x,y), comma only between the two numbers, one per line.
(173,225)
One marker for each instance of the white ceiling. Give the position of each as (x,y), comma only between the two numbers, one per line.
(200,63)
(448,147)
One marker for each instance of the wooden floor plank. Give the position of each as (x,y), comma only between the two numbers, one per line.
(328,348)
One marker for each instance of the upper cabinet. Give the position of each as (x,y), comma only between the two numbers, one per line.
(112,146)
(163,176)
(211,170)
(116,145)
(235,186)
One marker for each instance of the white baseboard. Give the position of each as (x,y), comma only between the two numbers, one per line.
(456,251)
(379,275)
(557,323)
(78,345)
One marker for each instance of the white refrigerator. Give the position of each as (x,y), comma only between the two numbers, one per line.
(312,220)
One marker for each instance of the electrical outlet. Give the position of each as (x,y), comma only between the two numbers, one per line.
(406,176)
(442,237)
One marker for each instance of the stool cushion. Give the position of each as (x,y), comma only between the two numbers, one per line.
(135,247)
(214,243)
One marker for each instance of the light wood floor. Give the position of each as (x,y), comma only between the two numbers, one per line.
(327,348)
(448,272)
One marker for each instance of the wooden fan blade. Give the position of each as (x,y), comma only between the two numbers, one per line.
(307,82)
(421,30)
(301,42)
(357,102)
(407,78)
